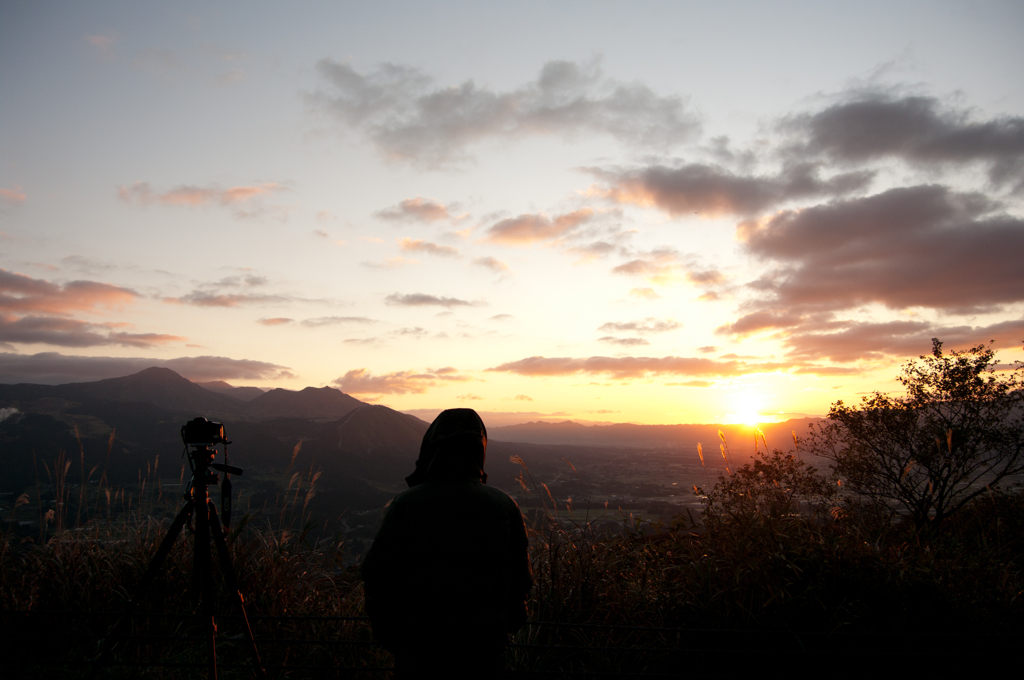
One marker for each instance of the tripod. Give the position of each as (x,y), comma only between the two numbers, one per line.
(207,525)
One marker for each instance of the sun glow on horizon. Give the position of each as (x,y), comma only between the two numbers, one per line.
(747,411)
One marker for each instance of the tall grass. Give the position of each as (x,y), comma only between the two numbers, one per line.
(774,549)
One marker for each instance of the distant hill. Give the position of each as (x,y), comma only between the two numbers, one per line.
(161,387)
(739,437)
(311,402)
(221,387)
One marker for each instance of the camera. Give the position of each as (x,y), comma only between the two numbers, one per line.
(202,432)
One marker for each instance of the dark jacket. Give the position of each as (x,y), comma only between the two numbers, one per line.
(449,567)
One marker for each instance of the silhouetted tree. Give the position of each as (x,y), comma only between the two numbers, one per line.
(958,431)
(775,486)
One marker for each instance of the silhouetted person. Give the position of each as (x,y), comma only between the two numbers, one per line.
(448,574)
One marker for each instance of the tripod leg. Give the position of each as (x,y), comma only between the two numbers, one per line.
(202,583)
(140,591)
(232,583)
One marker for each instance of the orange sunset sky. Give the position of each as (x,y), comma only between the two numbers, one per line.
(650,212)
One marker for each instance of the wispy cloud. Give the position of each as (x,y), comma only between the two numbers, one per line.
(648,325)
(409,245)
(631,367)
(424,300)
(142,194)
(416,209)
(276,321)
(361,381)
(12,196)
(492,263)
(411,118)
(319,321)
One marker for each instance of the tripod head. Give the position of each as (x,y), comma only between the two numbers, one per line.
(201,437)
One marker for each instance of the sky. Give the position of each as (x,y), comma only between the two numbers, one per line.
(648,212)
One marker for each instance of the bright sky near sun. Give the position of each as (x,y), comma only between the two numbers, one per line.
(651,212)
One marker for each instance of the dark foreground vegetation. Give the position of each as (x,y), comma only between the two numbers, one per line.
(731,585)
(785,572)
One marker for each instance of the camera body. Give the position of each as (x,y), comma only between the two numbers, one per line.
(202,432)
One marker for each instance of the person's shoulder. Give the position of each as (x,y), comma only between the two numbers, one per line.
(498,495)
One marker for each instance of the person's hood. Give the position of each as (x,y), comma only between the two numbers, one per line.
(454,448)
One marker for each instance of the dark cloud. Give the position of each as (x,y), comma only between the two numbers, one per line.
(921,246)
(536,228)
(712,190)
(424,300)
(631,367)
(26,295)
(917,129)
(854,341)
(648,325)
(64,332)
(417,210)
(51,368)
(410,117)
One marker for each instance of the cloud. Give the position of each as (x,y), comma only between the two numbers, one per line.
(408,245)
(492,263)
(24,294)
(625,342)
(391,263)
(691,383)
(712,190)
(411,118)
(64,332)
(856,341)
(648,325)
(916,129)
(202,298)
(276,321)
(661,266)
(522,397)
(501,317)
(424,300)
(416,210)
(919,246)
(631,367)
(52,368)
(469,397)
(336,320)
(140,193)
(529,229)
(644,293)
(12,196)
(361,381)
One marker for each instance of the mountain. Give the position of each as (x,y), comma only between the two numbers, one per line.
(161,387)
(242,393)
(375,442)
(312,402)
(738,437)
